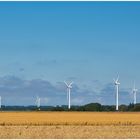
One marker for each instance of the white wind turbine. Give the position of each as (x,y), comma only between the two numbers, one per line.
(0,102)
(38,102)
(69,86)
(134,91)
(117,91)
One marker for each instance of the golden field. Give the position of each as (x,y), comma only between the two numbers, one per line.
(69,118)
(69,125)
(71,132)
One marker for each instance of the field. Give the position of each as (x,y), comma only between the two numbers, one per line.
(69,125)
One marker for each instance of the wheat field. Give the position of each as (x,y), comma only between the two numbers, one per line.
(69,118)
(69,125)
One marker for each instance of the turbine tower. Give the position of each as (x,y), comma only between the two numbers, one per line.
(69,86)
(134,91)
(0,102)
(38,102)
(116,82)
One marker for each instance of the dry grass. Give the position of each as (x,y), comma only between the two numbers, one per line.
(69,125)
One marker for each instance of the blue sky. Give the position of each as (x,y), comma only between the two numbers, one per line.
(44,43)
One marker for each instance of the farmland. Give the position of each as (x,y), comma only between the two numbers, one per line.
(69,125)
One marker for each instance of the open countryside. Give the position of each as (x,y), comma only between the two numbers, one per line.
(69,125)
(69,70)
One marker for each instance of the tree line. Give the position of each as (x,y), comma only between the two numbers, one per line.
(88,107)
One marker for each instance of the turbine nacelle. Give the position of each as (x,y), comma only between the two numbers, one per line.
(68,85)
(116,82)
(135,90)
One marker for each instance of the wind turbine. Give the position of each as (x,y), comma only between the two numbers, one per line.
(38,102)
(134,91)
(0,102)
(117,91)
(69,86)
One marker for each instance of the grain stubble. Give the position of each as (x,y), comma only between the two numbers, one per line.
(69,125)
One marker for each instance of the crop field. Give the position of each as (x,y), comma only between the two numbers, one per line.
(69,125)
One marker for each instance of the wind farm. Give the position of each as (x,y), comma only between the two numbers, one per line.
(116,106)
(91,117)
(69,70)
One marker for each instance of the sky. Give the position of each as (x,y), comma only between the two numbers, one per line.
(90,43)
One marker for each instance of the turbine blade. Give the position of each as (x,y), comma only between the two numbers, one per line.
(66,83)
(36,99)
(117,78)
(114,80)
(70,83)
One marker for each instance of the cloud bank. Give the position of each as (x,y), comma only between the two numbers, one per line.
(18,91)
